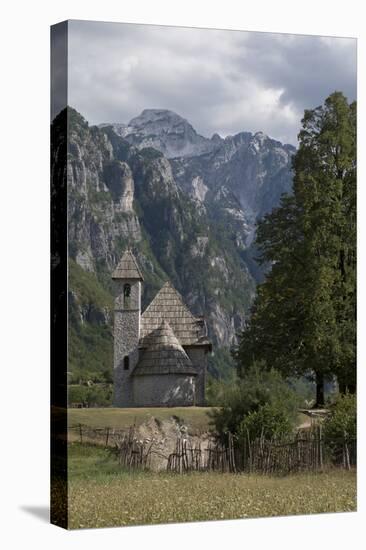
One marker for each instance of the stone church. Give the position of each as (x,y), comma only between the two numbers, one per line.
(160,356)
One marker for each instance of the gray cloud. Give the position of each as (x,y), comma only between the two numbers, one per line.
(221,81)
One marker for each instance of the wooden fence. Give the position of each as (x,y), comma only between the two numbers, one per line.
(132,452)
(307,451)
(101,436)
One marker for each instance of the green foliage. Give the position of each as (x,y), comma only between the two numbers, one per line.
(270,420)
(90,338)
(87,288)
(340,428)
(260,395)
(341,424)
(221,364)
(221,376)
(99,395)
(304,389)
(90,352)
(303,320)
(217,389)
(77,394)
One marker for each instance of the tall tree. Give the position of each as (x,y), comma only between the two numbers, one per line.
(303,320)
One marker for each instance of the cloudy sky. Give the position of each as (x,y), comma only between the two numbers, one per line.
(220,81)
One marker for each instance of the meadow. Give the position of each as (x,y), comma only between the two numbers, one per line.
(101,494)
(196,418)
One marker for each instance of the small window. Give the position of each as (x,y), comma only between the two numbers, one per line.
(127,290)
(126,363)
(126,295)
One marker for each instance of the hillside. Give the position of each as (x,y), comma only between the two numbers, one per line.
(189,219)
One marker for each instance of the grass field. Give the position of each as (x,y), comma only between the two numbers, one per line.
(196,418)
(102,495)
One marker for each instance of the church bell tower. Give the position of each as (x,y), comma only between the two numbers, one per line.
(127,279)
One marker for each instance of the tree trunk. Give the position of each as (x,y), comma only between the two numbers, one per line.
(319,379)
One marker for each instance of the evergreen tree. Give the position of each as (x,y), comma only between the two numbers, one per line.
(303,320)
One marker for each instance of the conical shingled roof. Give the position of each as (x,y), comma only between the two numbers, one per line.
(127,268)
(168,304)
(164,355)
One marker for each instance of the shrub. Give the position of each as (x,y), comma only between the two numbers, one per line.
(216,390)
(262,400)
(341,424)
(96,395)
(340,429)
(269,420)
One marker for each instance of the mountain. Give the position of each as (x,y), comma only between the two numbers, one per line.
(186,204)
(165,131)
(242,176)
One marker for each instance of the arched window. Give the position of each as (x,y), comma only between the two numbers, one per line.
(126,295)
(126,363)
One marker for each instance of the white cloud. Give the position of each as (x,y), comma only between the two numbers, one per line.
(221,81)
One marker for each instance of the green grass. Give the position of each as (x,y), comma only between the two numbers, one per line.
(196,418)
(92,462)
(103,495)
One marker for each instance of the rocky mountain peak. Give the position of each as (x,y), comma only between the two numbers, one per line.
(165,131)
(216,138)
(260,137)
(162,119)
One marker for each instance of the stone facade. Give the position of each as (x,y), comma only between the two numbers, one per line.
(164,390)
(127,313)
(198,356)
(160,357)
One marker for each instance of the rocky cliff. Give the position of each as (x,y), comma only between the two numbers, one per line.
(186,204)
(165,131)
(238,178)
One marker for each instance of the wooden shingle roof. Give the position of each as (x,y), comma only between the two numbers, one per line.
(168,305)
(164,354)
(127,268)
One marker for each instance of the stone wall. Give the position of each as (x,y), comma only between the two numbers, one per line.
(148,390)
(126,337)
(198,356)
(165,390)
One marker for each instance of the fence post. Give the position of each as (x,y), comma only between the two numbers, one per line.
(249,452)
(348,465)
(320,446)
